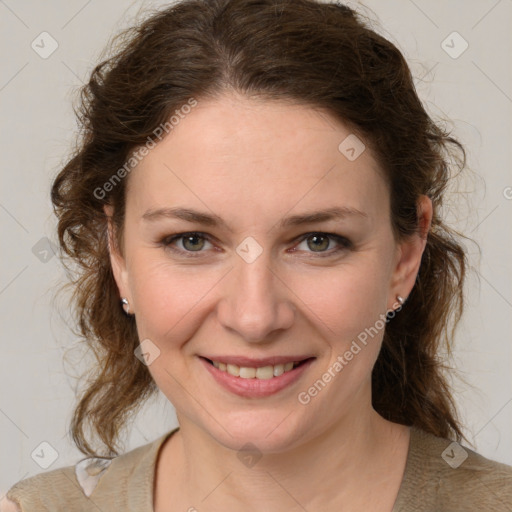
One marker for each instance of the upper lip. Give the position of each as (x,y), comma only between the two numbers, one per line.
(257,362)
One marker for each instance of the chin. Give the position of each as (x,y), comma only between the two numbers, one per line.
(268,432)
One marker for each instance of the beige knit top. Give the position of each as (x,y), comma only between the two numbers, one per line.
(440,476)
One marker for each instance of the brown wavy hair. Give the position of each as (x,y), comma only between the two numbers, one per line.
(321,55)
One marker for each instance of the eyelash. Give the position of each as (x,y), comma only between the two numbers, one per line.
(344,243)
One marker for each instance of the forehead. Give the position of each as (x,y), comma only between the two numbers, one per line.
(248,156)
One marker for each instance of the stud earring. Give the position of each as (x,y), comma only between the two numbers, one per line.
(126,305)
(400,299)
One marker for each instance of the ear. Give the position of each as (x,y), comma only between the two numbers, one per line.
(409,252)
(117,260)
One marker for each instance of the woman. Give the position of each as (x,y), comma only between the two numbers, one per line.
(255,214)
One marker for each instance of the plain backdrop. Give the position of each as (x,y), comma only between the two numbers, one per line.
(469,87)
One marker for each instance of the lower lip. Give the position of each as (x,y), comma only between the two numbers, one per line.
(256,388)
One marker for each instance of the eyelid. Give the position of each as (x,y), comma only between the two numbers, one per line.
(343,242)
(168,240)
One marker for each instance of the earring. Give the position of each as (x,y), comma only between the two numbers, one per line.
(126,305)
(400,299)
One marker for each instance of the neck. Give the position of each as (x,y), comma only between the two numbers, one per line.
(332,468)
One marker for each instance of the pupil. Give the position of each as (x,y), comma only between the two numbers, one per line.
(192,237)
(316,238)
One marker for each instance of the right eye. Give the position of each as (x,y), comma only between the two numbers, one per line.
(192,242)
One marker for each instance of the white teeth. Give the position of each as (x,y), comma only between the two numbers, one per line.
(233,369)
(278,370)
(247,373)
(263,372)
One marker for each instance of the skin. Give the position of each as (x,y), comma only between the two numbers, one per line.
(252,163)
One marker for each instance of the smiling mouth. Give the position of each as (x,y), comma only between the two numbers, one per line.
(266,372)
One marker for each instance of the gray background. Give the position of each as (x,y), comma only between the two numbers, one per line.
(40,358)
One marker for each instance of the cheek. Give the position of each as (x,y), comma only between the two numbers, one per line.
(168,298)
(172,301)
(344,299)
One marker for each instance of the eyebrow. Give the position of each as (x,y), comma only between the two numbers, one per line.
(213,220)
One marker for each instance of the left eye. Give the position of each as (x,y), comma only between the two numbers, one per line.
(319,242)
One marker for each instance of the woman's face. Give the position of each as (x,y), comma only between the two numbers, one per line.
(255,283)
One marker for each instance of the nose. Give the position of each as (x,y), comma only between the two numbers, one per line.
(256,302)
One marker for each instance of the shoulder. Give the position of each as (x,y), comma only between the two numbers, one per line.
(34,493)
(453,477)
(89,484)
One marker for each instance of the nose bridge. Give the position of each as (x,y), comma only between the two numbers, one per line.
(256,303)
